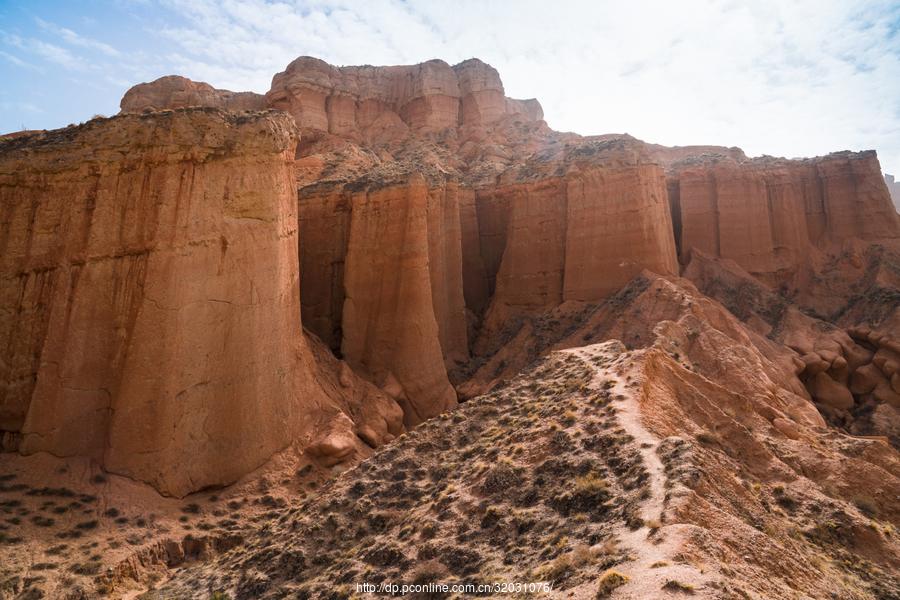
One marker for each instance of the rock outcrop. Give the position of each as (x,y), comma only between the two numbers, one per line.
(770,215)
(150,296)
(386,103)
(437,220)
(173,92)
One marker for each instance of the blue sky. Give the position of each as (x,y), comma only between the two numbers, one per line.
(785,78)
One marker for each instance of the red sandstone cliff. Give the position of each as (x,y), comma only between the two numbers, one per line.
(150,293)
(769,215)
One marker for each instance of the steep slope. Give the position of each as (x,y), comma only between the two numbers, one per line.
(599,458)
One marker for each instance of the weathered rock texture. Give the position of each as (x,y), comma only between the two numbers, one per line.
(441,225)
(172,92)
(150,296)
(383,103)
(769,215)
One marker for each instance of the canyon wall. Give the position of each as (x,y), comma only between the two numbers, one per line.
(389,322)
(769,215)
(152,290)
(149,296)
(578,237)
(382,284)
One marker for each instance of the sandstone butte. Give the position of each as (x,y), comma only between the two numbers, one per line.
(209,279)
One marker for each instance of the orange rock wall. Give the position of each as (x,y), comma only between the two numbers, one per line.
(617,224)
(577,237)
(768,215)
(390,330)
(445,266)
(379,103)
(149,294)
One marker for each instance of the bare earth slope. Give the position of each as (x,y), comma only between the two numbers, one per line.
(563,474)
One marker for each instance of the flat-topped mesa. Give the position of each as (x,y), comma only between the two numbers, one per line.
(769,214)
(173,91)
(384,103)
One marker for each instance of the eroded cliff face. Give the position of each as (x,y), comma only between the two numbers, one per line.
(379,104)
(150,287)
(437,222)
(770,215)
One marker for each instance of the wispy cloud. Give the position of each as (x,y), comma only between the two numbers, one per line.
(785,78)
(56,54)
(45,50)
(70,37)
(12,58)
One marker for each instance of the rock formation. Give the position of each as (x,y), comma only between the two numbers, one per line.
(384,103)
(172,92)
(430,203)
(683,363)
(769,215)
(150,294)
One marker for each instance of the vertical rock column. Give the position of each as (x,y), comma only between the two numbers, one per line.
(156,260)
(389,325)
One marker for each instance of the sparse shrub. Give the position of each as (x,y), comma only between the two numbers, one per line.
(865,506)
(42,521)
(673,585)
(590,483)
(609,581)
(708,437)
(89,568)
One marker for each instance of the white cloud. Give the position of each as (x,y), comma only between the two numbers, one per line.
(74,39)
(16,60)
(45,50)
(783,78)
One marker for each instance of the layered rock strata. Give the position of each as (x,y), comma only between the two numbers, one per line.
(383,103)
